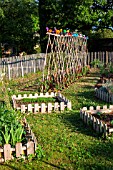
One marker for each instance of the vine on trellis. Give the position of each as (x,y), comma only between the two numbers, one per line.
(65,59)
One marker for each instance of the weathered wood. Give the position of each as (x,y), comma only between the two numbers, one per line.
(36,108)
(7,152)
(64,103)
(43,108)
(30,148)
(56,106)
(23,108)
(18,149)
(29,108)
(62,106)
(49,107)
(69,106)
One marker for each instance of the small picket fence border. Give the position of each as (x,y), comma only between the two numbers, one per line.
(105,96)
(20,150)
(43,108)
(98,125)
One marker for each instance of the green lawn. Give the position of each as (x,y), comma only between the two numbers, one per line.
(67,143)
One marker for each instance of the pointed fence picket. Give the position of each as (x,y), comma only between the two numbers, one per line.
(7,152)
(97,124)
(63,104)
(105,96)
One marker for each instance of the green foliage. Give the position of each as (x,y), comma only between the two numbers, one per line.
(39,153)
(102,33)
(6,134)
(64,142)
(37,100)
(97,63)
(19,23)
(11,130)
(111,122)
(99,113)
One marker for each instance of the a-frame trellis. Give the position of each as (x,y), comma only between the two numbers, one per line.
(65,58)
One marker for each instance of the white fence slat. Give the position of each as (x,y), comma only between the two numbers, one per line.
(23,108)
(36,107)
(49,107)
(29,107)
(43,108)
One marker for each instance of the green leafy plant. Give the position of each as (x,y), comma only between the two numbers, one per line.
(39,152)
(37,100)
(96,63)
(6,134)
(99,113)
(16,134)
(111,122)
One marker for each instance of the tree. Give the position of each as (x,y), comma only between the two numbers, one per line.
(48,16)
(19,23)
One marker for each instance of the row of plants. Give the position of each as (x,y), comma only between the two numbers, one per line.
(11,128)
(37,100)
(107,118)
(105,70)
(54,82)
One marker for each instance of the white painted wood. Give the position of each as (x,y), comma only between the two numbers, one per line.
(49,107)
(29,107)
(23,108)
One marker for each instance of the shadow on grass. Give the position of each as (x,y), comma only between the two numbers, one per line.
(54,166)
(73,121)
(95,167)
(9,167)
(100,149)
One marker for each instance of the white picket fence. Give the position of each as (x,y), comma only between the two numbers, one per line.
(20,149)
(105,96)
(19,66)
(43,108)
(97,124)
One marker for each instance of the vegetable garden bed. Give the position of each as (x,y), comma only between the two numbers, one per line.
(44,103)
(101,119)
(8,152)
(104,95)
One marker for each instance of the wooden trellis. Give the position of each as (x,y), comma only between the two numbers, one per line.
(65,57)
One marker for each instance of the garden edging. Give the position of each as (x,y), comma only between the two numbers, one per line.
(6,151)
(98,125)
(43,108)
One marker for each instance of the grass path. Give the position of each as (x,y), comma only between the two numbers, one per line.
(67,143)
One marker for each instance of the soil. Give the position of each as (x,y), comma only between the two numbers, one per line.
(106,118)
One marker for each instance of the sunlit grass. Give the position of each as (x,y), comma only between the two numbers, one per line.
(67,142)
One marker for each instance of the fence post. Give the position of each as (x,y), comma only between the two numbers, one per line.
(30,148)
(22,69)
(18,149)
(7,152)
(106,57)
(9,73)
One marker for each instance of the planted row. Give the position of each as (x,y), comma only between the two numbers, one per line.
(11,130)
(37,100)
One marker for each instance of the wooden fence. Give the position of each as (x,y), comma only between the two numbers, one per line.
(43,108)
(105,96)
(103,56)
(97,124)
(19,66)
(20,150)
